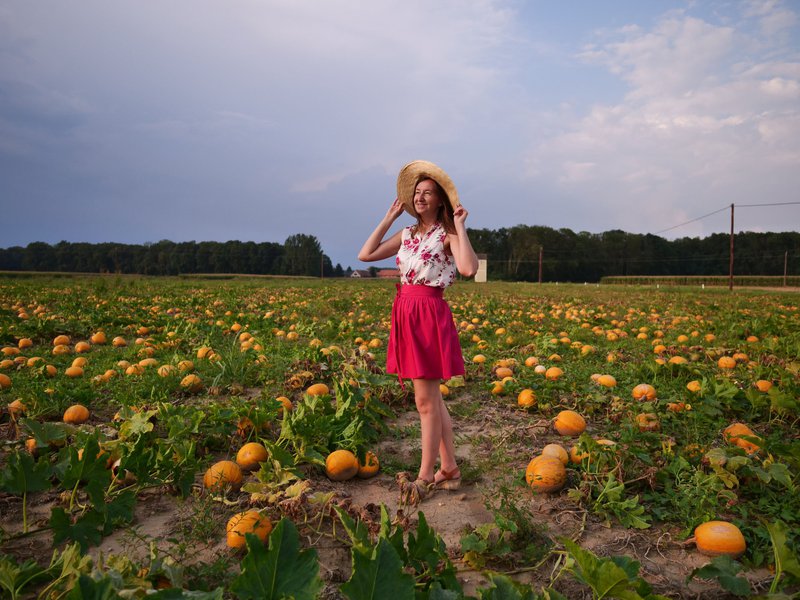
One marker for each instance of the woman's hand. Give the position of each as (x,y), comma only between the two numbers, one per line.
(395,210)
(460,216)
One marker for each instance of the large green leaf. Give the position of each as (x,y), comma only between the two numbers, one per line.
(14,578)
(609,577)
(785,560)
(283,571)
(90,467)
(724,569)
(378,575)
(23,475)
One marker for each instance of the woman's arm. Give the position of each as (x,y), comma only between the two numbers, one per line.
(461,247)
(376,248)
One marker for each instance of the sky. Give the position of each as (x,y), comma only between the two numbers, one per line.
(135,122)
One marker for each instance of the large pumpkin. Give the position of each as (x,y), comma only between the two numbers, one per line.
(250,455)
(243,523)
(546,474)
(341,465)
(318,389)
(225,473)
(715,538)
(568,422)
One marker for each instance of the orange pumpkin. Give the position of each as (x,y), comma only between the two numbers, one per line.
(553,374)
(318,389)
(222,474)
(369,468)
(647,422)
(243,523)
(341,465)
(715,538)
(192,383)
(546,474)
(644,391)
(607,381)
(76,414)
(568,422)
(250,455)
(526,398)
(726,362)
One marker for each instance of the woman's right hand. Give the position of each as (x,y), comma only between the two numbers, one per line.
(395,210)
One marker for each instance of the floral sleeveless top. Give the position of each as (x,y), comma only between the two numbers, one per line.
(422,259)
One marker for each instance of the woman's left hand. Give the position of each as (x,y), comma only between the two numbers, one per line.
(460,215)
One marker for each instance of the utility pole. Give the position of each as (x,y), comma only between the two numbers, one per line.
(785,265)
(730,277)
(541,252)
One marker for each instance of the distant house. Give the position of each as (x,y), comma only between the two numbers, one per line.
(389,273)
(361,273)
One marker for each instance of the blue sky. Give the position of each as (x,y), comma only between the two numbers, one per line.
(255,120)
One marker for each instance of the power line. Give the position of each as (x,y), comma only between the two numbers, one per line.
(693,220)
(767,204)
(726,208)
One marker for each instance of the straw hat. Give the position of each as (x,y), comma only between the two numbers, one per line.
(410,176)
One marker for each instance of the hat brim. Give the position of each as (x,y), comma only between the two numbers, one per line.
(416,170)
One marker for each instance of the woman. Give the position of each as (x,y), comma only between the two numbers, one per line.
(423,342)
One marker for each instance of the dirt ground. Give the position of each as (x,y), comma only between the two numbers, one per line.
(166,520)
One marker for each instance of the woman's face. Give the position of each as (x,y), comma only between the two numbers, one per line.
(426,198)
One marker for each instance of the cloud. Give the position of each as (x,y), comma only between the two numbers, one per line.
(702,124)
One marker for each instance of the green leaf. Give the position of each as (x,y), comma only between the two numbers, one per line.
(91,466)
(378,576)
(356,530)
(609,578)
(724,569)
(280,572)
(425,548)
(46,433)
(89,589)
(85,530)
(505,588)
(14,578)
(785,559)
(23,475)
(137,424)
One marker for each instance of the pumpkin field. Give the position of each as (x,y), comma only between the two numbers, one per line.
(239,438)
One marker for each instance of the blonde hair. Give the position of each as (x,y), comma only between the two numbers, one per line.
(445,214)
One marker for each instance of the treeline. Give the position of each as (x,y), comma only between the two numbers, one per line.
(513,254)
(299,255)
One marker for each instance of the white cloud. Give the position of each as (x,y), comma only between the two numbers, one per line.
(701,123)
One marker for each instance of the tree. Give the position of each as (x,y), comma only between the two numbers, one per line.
(302,255)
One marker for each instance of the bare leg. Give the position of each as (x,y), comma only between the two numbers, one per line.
(436,428)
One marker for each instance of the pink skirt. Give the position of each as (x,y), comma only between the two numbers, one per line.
(423,342)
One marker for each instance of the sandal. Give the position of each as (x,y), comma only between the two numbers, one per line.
(412,492)
(451,480)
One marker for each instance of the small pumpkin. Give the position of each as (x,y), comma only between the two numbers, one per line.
(726,362)
(222,474)
(647,422)
(607,381)
(318,389)
(716,538)
(556,451)
(250,455)
(526,398)
(76,414)
(370,467)
(240,524)
(546,474)
(553,373)
(192,383)
(570,423)
(341,465)
(643,392)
